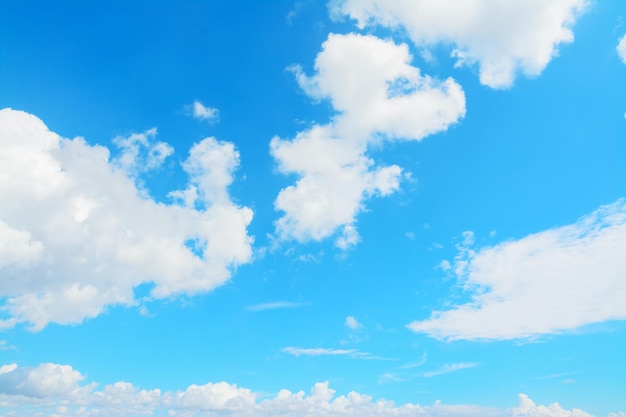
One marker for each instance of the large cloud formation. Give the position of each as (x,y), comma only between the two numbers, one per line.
(78,232)
(378,96)
(545,283)
(503,38)
(58,390)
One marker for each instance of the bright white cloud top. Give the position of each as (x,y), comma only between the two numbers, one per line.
(78,234)
(502,38)
(378,96)
(549,282)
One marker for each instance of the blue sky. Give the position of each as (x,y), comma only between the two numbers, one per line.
(282,208)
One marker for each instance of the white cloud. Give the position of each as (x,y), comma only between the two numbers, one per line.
(621,50)
(202,112)
(140,153)
(318,351)
(549,282)
(45,380)
(49,388)
(218,397)
(353,353)
(527,407)
(421,362)
(449,368)
(378,96)
(503,38)
(275,305)
(352,323)
(78,234)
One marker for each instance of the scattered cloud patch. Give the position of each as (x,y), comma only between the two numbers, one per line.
(201,112)
(51,389)
(298,7)
(621,49)
(378,96)
(549,282)
(502,38)
(140,152)
(78,234)
(352,323)
(449,368)
(274,305)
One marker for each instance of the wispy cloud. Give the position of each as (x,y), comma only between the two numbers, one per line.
(421,362)
(559,375)
(353,353)
(4,345)
(274,305)
(389,377)
(449,368)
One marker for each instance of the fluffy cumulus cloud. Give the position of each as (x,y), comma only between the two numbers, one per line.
(621,49)
(201,112)
(78,232)
(503,38)
(378,96)
(59,390)
(549,282)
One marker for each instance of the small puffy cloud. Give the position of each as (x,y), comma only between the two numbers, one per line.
(549,282)
(77,232)
(621,49)
(449,368)
(502,38)
(201,112)
(352,323)
(49,388)
(378,96)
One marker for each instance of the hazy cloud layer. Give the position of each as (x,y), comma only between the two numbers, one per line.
(58,390)
(378,96)
(503,38)
(78,232)
(549,282)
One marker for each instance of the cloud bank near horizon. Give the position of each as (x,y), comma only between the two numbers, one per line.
(61,390)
